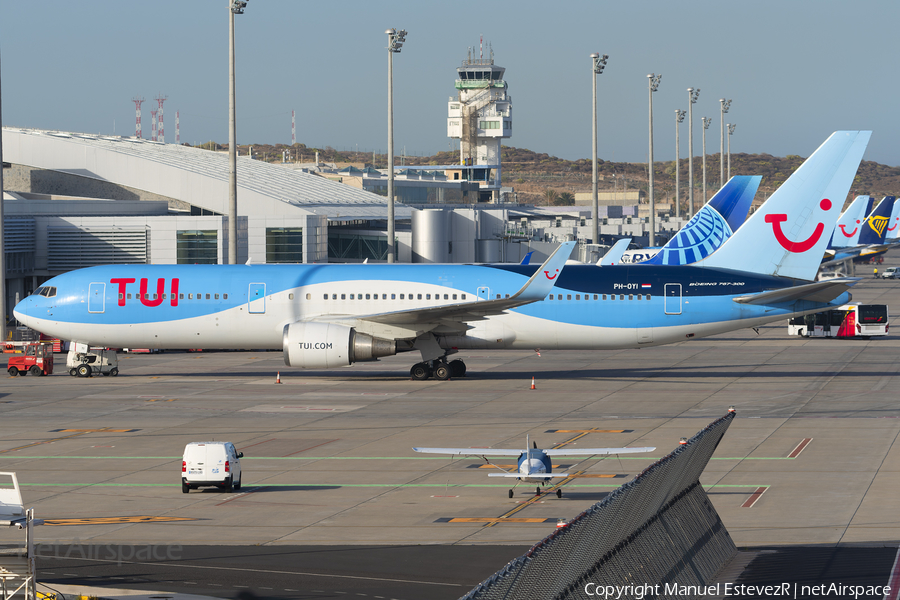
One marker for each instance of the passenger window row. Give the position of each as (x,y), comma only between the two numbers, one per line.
(393,296)
(599,296)
(180,296)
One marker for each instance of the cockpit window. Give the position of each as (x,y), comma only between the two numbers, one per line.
(48,291)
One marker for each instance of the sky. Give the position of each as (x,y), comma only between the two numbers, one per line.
(795,71)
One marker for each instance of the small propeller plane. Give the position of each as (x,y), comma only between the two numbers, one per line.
(534,465)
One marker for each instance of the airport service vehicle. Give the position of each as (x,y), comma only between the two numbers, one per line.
(847,321)
(36,359)
(87,364)
(325,316)
(211,464)
(891,273)
(533,464)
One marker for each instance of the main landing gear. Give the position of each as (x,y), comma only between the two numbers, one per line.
(439,368)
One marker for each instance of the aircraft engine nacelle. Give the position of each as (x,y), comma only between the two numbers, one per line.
(327,345)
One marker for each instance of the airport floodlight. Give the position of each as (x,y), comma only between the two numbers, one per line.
(679,118)
(725,105)
(730,133)
(598,63)
(395,41)
(653,85)
(706,122)
(235,8)
(693,95)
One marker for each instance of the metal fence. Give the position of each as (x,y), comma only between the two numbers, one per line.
(653,536)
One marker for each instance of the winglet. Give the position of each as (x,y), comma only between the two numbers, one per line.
(543,280)
(614,255)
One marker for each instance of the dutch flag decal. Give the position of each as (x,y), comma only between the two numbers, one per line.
(645,286)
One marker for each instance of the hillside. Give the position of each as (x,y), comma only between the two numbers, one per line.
(537,176)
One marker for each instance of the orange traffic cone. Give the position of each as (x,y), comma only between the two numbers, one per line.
(278,377)
(532,384)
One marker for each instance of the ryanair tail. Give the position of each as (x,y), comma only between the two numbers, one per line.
(876,224)
(714,223)
(787,236)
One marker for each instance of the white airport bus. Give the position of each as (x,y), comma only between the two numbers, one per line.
(847,321)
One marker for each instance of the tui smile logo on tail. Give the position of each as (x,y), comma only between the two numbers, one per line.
(551,277)
(852,233)
(798,247)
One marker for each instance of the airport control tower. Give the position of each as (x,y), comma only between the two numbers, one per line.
(480,117)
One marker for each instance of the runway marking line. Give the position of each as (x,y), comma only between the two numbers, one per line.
(589,431)
(493,520)
(103,430)
(754,497)
(115,520)
(74,433)
(504,467)
(799,448)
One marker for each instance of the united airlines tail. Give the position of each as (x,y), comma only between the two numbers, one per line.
(714,223)
(787,236)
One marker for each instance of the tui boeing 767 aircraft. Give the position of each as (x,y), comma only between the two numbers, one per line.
(331,315)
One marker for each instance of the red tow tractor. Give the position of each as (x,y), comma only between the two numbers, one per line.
(36,359)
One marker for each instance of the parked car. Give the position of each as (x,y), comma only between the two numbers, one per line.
(891,273)
(211,464)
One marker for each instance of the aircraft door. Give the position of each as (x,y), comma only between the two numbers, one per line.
(97,297)
(673,299)
(256,299)
(484,293)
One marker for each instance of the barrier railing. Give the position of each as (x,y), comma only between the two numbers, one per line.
(658,536)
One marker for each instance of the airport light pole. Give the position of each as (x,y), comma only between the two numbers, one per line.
(395,42)
(706,122)
(653,85)
(2,246)
(725,105)
(235,8)
(730,132)
(692,98)
(679,118)
(598,63)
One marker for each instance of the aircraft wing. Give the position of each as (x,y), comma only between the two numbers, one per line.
(820,291)
(529,475)
(536,288)
(472,451)
(594,451)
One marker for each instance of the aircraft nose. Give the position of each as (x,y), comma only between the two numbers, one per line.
(23,310)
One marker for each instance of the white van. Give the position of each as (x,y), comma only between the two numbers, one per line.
(211,464)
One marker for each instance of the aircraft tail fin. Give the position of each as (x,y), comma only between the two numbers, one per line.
(848,226)
(713,224)
(892,231)
(875,227)
(787,236)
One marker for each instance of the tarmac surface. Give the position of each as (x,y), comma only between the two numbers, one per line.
(811,460)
